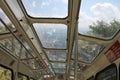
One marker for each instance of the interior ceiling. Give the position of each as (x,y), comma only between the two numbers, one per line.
(28,26)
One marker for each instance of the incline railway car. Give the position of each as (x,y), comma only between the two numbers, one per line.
(59,39)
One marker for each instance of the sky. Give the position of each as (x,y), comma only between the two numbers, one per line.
(46,8)
(93,10)
(90,10)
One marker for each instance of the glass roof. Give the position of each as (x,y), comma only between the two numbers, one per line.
(87,51)
(59,70)
(58,65)
(33,63)
(56,56)
(52,35)
(46,8)
(4,17)
(99,18)
(15,49)
(9,44)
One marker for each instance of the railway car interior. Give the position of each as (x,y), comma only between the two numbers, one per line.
(59,39)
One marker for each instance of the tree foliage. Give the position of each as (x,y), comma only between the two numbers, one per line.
(104,29)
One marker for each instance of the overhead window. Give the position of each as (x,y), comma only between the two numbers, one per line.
(9,44)
(56,56)
(99,18)
(46,8)
(87,51)
(33,63)
(60,70)
(52,35)
(58,65)
(4,17)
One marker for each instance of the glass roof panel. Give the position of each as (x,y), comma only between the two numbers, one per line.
(33,63)
(99,18)
(59,70)
(4,17)
(46,8)
(52,35)
(56,56)
(9,44)
(58,65)
(15,49)
(87,51)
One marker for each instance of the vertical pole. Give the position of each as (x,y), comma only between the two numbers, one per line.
(76,53)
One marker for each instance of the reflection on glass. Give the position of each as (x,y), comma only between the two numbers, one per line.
(33,63)
(27,52)
(87,51)
(5,74)
(14,6)
(4,17)
(52,35)
(56,56)
(59,70)
(58,65)
(99,18)
(46,8)
(10,44)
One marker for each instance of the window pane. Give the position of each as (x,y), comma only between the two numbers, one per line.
(33,63)
(4,17)
(10,45)
(59,70)
(58,65)
(99,18)
(15,50)
(56,56)
(87,51)
(52,35)
(110,73)
(5,74)
(46,8)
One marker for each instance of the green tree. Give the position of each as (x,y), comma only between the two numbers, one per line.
(103,29)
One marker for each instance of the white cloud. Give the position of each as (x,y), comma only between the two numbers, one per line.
(65,1)
(34,3)
(84,22)
(45,4)
(34,14)
(105,11)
